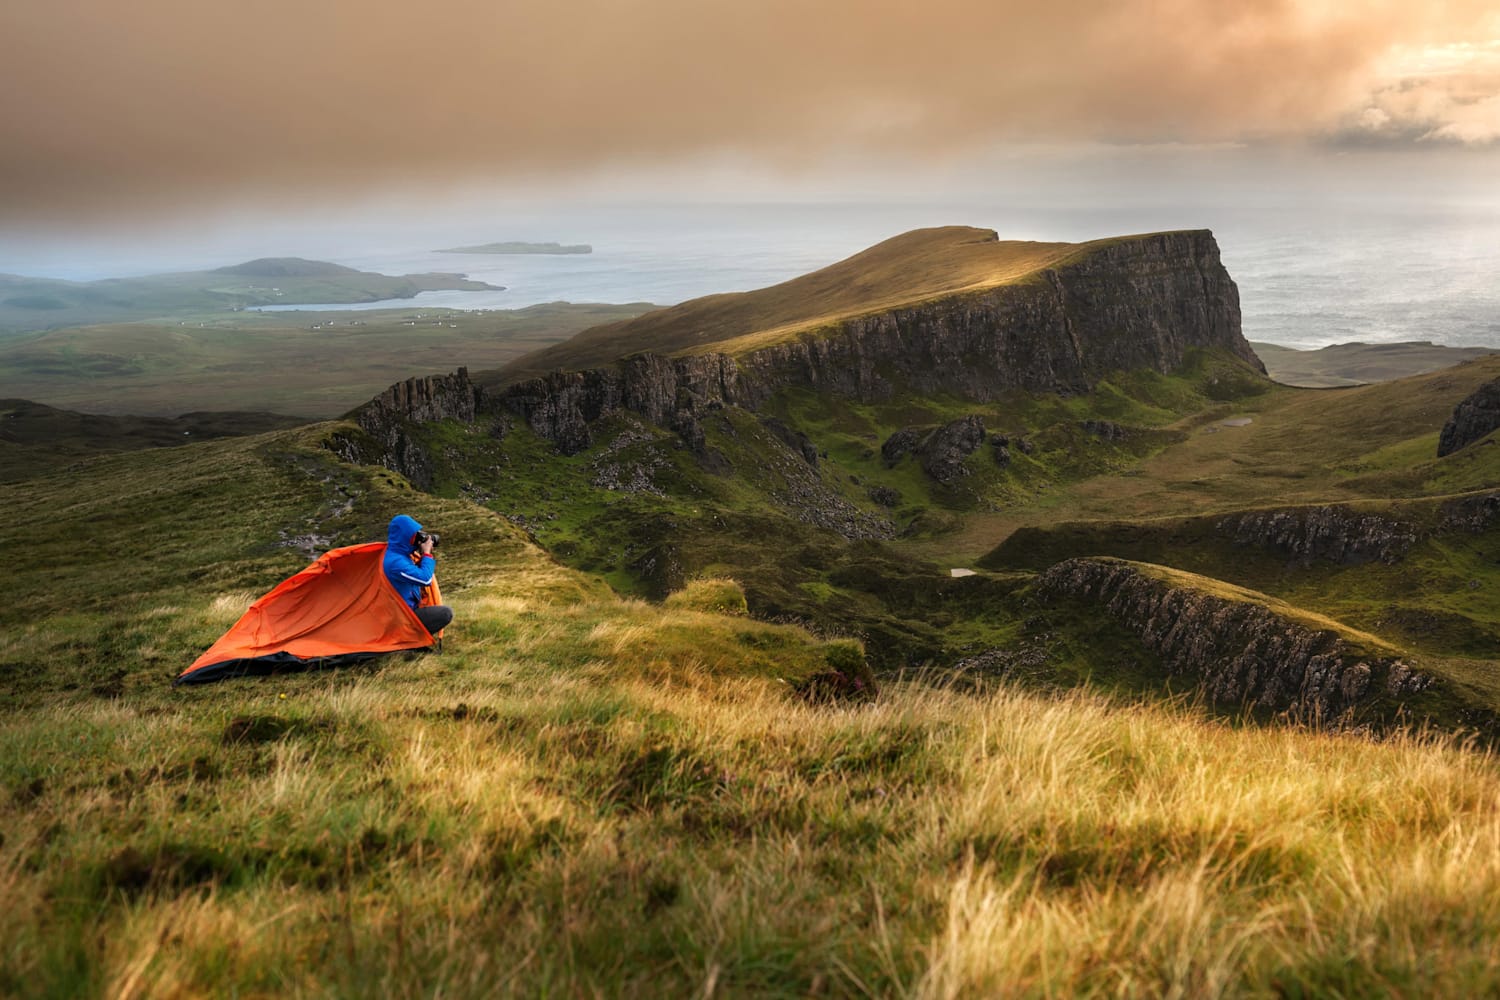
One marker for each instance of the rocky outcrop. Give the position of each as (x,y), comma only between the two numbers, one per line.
(1139,302)
(793,439)
(1239,651)
(1330,534)
(670,392)
(899,445)
(1474,418)
(387,419)
(1142,302)
(944,450)
(1473,513)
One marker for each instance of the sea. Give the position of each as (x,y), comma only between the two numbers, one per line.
(1309,275)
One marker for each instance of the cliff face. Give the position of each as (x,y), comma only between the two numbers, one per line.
(1472,419)
(1239,651)
(670,392)
(417,400)
(1139,303)
(1330,534)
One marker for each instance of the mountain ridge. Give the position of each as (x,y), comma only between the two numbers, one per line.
(1056,326)
(900,273)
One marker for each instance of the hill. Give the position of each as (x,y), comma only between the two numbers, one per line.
(318,364)
(1359,364)
(286,267)
(601,795)
(813,761)
(34,437)
(28,304)
(905,271)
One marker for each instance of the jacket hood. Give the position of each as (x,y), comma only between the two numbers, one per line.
(399,534)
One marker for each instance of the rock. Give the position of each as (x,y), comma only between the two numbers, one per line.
(1473,513)
(1330,534)
(1141,302)
(1474,418)
(1000,449)
(1104,430)
(886,496)
(387,418)
(1239,651)
(899,445)
(944,450)
(795,440)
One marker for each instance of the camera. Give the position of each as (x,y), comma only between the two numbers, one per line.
(422,536)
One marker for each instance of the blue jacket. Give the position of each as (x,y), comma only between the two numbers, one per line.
(405,574)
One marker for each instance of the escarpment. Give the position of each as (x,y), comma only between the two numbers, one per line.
(1132,303)
(1141,302)
(1474,418)
(1329,533)
(387,418)
(1238,650)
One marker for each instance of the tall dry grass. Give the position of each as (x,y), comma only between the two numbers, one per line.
(613,798)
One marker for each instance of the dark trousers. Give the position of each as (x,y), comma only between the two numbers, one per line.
(435,617)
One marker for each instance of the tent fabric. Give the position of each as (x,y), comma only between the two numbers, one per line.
(340,609)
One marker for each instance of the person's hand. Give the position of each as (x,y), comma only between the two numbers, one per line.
(426,547)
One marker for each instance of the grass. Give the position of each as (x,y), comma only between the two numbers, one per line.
(519,825)
(589,794)
(325,364)
(39,303)
(1358,364)
(906,270)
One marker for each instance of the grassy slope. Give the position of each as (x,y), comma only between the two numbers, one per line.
(590,795)
(1186,459)
(1358,364)
(904,270)
(1301,446)
(311,364)
(36,438)
(681,514)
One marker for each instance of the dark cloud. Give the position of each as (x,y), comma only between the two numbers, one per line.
(114,108)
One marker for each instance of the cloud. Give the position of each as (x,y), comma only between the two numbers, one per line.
(115,109)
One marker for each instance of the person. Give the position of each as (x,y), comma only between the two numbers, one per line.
(411,567)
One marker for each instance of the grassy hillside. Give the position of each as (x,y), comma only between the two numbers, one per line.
(907,269)
(585,794)
(48,303)
(310,364)
(1359,364)
(36,438)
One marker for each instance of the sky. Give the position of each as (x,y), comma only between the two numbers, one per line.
(154,115)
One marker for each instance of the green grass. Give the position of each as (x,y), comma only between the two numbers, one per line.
(316,365)
(590,794)
(40,303)
(907,270)
(1358,364)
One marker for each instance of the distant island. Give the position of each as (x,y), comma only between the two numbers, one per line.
(517,246)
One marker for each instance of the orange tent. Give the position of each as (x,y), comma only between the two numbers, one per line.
(340,609)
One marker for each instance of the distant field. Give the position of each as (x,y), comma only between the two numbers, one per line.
(1359,364)
(307,364)
(28,304)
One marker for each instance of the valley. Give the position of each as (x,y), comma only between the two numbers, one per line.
(714,705)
